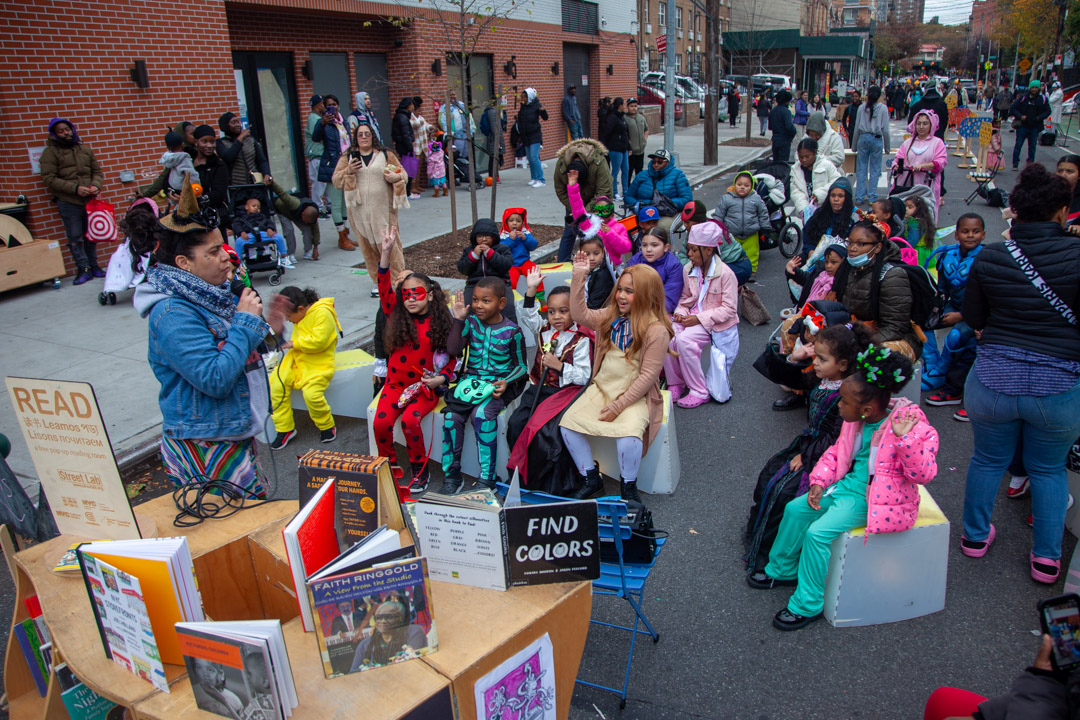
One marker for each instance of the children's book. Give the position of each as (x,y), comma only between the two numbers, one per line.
(30,644)
(139,590)
(239,669)
(375,611)
(474,543)
(81,702)
(356,511)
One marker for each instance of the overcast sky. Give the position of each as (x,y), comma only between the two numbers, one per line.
(949,12)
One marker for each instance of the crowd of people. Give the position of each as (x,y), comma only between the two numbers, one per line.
(635,319)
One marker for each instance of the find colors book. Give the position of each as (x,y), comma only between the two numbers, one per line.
(374,616)
(473,543)
(356,511)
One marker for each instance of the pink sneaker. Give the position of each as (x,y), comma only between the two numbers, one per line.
(692,401)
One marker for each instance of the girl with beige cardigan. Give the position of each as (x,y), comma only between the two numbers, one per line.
(622,400)
(374,184)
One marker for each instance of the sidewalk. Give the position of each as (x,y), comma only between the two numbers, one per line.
(65,335)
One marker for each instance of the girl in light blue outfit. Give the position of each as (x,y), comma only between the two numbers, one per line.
(870,140)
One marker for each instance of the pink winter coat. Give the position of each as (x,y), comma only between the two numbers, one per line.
(902,464)
(720,308)
(436,164)
(937,153)
(616,239)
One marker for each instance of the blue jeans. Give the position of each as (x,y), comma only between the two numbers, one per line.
(278,240)
(566,244)
(575,131)
(742,269)
(868,167)
(535,171)
(1048,426)
(620,162)
(1031,135)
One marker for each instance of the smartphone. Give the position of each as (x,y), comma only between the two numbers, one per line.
(354,155)
(1060,618)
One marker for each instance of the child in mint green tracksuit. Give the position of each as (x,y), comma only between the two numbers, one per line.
(870,477)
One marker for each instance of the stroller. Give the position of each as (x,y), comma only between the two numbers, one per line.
(261,254)
(773,185)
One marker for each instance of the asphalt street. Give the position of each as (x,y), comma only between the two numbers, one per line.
(719,656)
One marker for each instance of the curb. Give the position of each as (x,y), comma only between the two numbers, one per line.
(146,443)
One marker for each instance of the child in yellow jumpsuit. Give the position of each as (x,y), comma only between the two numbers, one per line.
(308,364)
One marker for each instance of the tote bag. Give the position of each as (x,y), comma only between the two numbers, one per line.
(100,221)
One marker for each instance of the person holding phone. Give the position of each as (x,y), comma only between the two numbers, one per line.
(1046,689)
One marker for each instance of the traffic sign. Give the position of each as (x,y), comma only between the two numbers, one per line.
(988,65)
(1025,65)
(661,44)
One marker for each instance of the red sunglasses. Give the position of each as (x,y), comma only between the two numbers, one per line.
(417,293)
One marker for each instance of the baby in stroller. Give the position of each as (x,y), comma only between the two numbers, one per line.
(256,237)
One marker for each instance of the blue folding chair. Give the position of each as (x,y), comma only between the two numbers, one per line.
(622,579)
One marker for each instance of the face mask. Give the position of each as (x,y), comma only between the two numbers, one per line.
(859,261)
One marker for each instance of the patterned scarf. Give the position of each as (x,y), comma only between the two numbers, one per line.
(174,282)
(621,332)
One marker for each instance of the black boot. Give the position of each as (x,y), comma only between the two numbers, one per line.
(628,491)
(451,485)
(420,478)
(593,484)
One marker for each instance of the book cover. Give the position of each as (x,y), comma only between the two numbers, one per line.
(36,644)
(356,511)
(229,676)
(374,617)
(557,542)
(82,703)
(463,544)
(31,658)
(121,613)
(311,543)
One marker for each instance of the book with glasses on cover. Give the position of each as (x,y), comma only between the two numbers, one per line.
(139,590)
(374,610)
(239,669)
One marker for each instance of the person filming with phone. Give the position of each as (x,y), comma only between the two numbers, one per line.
(1048,688)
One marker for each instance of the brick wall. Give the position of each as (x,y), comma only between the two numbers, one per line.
(77,66)
(74,62)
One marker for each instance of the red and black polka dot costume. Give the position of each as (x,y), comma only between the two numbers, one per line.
(404,367)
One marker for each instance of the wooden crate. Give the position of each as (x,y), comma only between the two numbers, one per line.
(29,264)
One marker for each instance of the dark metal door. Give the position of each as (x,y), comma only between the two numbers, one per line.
(266,95)
(576,72)
(371,78)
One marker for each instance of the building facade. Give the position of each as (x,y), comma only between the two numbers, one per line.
(690,26)
(264,59)
(907,11)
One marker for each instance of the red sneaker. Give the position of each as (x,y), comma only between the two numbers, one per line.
(945,397)
(961,415)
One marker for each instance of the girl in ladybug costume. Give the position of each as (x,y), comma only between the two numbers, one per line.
(418,323)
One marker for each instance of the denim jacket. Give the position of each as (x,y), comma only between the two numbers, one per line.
(199,358)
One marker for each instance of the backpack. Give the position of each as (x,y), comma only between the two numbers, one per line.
(926,298)
(997,198)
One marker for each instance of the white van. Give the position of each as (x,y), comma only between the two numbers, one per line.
(779,82)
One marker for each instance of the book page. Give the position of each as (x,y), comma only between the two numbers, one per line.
(122,610)
(462,545)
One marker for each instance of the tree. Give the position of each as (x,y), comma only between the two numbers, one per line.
(749,42)
(894,42)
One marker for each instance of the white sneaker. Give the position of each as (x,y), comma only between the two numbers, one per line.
(287,263)
(292,258)
(307,255)
(540,184)
(532,183)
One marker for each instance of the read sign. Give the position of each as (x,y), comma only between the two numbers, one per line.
(73,458)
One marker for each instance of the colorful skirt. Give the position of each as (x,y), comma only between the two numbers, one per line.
(199,461)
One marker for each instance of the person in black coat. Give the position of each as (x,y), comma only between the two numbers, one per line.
(1031,109)
(1026,381)
(618,144)
(733,106)
(601,115)
(530,134)
(213,174)
(851,114)
(401,133)
(783,127)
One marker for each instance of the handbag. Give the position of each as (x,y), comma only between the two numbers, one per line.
(1036,279)
(473,390)
(411,164)
(751,309)
(100,221)
(663,203)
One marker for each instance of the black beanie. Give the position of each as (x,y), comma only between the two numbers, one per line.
(173,139)
(223,122)
(204,131)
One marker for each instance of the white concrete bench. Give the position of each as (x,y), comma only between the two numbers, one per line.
(349,393)
(891,576)
(660,468)
(555,274)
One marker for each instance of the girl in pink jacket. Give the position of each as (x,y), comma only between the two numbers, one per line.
(601,221)
(924,153)
(870,477)
(707,316)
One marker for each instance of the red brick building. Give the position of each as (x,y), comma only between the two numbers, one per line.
(268,57)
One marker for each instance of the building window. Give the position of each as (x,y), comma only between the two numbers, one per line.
(678,64)
(678,18)
(661,9)
(580,17)
(645,12)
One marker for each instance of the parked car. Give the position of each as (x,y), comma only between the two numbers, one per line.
(685,88)
(648,95)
